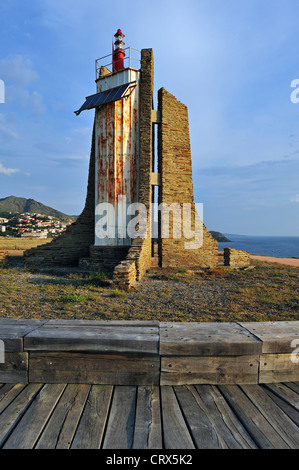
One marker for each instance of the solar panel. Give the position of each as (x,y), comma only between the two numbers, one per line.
(106,96)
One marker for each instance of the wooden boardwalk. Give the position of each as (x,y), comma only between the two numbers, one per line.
(147,385)
(85,416)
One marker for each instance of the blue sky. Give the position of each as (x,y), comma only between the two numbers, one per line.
(231,62)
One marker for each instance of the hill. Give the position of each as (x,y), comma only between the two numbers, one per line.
(22,205)
(219,236)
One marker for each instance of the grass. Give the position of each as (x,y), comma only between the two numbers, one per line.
(76,297)
(269,292)
(182,270)
(117,293)
(11,243)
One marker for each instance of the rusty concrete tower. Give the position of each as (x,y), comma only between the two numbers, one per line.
(116,105)
(124,170)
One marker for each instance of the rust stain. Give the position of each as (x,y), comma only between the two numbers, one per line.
(117,127)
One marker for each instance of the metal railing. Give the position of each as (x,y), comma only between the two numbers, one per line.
(129,61)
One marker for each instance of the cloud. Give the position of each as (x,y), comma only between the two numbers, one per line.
(264,183)
(7,171)
(71,157)
(7,127)
(36,103)
(19,74)
(18,70)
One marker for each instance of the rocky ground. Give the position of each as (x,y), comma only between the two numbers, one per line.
(266,292)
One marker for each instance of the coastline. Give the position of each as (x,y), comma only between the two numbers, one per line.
(272,259)
(273,247)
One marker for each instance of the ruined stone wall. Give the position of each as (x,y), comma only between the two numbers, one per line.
(74,243)
(236,258)
(3,258)
(125,275)
(103,258)
(146,153)
(139,257)
(175,167)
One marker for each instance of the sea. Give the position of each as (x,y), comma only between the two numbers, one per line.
(279,247)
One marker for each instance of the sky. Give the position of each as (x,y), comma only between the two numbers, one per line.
(233,63)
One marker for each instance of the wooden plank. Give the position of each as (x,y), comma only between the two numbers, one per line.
(260,430)
(230,432)
(28,429)
(209,370)
(60,429)
(288,409)
(199,424)
(103,323)
(13,413)
(286,393)
(8,393)
(118,369)
(274,415)
(12,332)
(107,339)
(15,368)
(175,431)
(207,339)
(89,434)
(148,427)
(276,336)
(293,386)
(25,322)
(120,427)
(276,368)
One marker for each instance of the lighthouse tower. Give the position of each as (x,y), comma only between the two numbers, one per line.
(138,154)
(116,106)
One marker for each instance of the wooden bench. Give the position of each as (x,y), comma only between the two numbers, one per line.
(148,353)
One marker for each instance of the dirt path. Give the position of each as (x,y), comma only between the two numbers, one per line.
(287,261)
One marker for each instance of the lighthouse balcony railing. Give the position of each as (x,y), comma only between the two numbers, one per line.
(104,65)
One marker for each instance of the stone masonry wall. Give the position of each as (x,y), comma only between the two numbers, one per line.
(236,258)
(74,243)
(146,155)
(140,253)
(3,258)
(175,167)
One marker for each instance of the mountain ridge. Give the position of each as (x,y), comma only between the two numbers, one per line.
(220,237)
(16,204)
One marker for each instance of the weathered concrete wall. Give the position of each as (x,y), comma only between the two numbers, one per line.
(74,243)
(175,167)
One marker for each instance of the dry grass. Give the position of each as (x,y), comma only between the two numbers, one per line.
(11,243)
(268,292)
